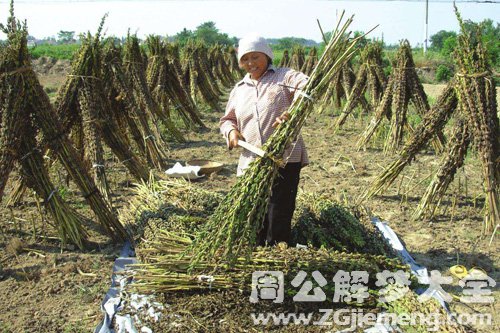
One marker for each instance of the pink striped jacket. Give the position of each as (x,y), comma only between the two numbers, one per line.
(253,107)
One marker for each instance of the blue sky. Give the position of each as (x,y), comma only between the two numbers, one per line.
(272,18)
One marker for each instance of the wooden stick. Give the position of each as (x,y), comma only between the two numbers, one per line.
(41,215)
(34,226)
(13,218)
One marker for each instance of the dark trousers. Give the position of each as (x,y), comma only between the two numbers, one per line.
(277,223)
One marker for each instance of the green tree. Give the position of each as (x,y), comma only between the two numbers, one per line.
(285,43)
(363,41)
(491,39)
(66,37)
(438,39)
(208,33)
(448,47)
(183,36)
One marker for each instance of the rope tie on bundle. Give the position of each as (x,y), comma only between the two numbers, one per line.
(50,196)
(84,77)
(299,90)
(279,161)
(474,75)
(29,153)
(16,71)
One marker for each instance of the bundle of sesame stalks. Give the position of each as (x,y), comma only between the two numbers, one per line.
(298,58)
(231,231)
(83,93)
(135,65)
(285,59)
(433,122)
(35,174)
(164,269)
(470,98)
(370,78)
(119,94)
(129,111)
(220,66)
(477,99)
(452,161)
(232,61)
(198,76)
(27,115)
(402,88)
(323,223)
(339,88)
(311,61)
(163,81)
(174,59)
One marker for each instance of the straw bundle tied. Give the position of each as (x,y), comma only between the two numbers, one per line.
(234,67)
(231,231)
(298,58)
(285,60)
(35,174)
(25,112)
(370,78)
(94,150)
(199,77)
(453,159)
(402,88)
(311,62)
(433,122)
(164,83)
(135,69)
(477,99)
(87,75)
(471,99)
(165,270)
(219,66)
(339,88)
(126,109)
(120,97)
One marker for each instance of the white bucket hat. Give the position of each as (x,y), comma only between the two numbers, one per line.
(253,43)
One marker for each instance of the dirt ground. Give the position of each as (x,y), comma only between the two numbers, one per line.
(49,288)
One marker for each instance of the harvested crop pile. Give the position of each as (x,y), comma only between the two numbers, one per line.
(29,125)
(320,222)
(167,213)
(217,297)
(183,207)
(370,78)
(402,88)
(468,104)
(165,84)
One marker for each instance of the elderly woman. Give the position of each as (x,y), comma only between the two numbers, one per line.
(257,104)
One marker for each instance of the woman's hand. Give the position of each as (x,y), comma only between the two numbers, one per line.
(233,138)
(281,119)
